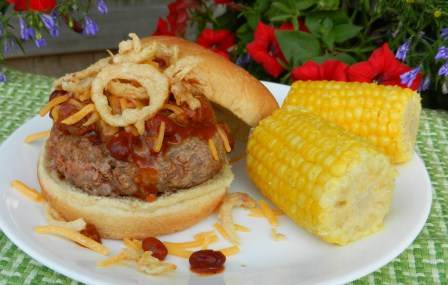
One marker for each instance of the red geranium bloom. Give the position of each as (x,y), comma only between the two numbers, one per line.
(163,28)
(217,40)
(176,21)
(34,5)
(289,26)
(329,70)
(381,67)
(264,49)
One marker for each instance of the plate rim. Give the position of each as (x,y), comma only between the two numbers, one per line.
(344,278)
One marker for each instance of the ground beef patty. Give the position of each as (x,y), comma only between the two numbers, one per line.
(91,167)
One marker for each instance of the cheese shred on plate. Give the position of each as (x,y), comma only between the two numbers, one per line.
(27,191)
(73,236)
(37,136)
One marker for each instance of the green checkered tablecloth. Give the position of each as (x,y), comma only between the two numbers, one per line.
(424,262)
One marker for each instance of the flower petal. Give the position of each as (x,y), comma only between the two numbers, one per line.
(310,70)
(361,72)
(334,70)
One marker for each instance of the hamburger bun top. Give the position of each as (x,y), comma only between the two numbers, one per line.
(223,82)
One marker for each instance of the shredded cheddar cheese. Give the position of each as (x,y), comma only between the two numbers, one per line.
(177,251)
(27,191)
(73,236)
(241,228)
(53,103)
(133,243)
(92,119)
(229,251)
(54,219)
(221,231)
(78,116)
(37,136)
(276,235)
(213,151)
(222,134)
(159,141)
(113,260)
(55,113)
(268,213)
(76,103)
(84,96)
(175,109)
(140,127)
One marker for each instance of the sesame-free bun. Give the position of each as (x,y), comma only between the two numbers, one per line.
(223,82)
(119,217)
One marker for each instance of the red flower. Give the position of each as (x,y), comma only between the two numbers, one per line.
(176,21)
(264,49)
(329,70)
(217,40)
(34,5)
(381,67)
(289,26)
(163,28)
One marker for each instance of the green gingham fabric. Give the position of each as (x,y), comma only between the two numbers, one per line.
(424,262)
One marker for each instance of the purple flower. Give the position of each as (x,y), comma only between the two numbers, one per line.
(442,53)
(2,77)
(51,24)
(26,33)
(41,42)
(444,33)
(443,71)
(90,27)
(243,60)
(409,77)
(8,45)
(101,6)
(403,50)
(425,84)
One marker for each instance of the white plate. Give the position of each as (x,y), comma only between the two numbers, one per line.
(301,259)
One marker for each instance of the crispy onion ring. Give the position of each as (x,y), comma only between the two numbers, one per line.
(154,82)
(126,90)
(148,53)
(74,78)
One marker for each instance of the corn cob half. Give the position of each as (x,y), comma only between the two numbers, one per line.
(387,116)
(335,185)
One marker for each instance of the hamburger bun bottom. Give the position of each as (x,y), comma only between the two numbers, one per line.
(121,217)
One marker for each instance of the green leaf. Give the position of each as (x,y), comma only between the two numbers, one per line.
(297,46)
(313,24)
(253,14)
(302,4)
(345,32)
(280,18)
(281,7)
(342,57)
(328,4)
(329,41)
(245,35)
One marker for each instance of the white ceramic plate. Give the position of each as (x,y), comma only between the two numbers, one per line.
(301,259)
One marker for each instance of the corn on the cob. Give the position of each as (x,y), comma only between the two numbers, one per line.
(334,184)
(387,116)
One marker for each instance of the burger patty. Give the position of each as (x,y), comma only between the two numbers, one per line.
(91,168)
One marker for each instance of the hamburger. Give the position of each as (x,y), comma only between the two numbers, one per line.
(138,147)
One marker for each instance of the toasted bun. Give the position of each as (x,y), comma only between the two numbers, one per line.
(118,218)
(224,82)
